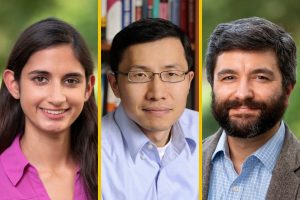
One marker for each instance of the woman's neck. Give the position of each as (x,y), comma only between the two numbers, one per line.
(47,150)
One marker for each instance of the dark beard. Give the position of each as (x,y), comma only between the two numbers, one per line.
(269,115)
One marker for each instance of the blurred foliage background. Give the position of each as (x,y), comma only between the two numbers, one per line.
(17,15)
(284,13)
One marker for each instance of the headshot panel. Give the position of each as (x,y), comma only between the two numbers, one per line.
(149,143)
(48,110)
(251,68)
(284,15)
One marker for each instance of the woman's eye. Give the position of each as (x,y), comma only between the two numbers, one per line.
(71,81)
(40,80)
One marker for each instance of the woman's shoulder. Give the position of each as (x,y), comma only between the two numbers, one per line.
(16,177)
(8,189)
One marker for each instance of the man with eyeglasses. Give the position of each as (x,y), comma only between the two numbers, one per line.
(150,143)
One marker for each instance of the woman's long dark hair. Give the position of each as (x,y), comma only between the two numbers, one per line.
(41,35)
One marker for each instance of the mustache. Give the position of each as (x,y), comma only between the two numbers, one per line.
(248,103)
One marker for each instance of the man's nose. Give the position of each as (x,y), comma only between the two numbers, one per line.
(244,90)
(156,88)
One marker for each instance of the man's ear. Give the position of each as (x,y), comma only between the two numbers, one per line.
(89,87)
(288,92)
(289,89)
(190,77)
(11,83)
(113,84)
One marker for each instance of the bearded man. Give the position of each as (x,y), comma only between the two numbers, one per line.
(251,67)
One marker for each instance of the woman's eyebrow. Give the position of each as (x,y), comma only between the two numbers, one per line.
(40,72)
(74,74)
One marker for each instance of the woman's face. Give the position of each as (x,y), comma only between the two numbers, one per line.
(53,89)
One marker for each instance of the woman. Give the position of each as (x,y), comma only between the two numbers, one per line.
(48,116)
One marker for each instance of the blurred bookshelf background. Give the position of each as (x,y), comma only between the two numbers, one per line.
(284,13)
(117,14)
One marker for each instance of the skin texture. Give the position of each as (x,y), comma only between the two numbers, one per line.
(52,90)
(248,75)
(155,105)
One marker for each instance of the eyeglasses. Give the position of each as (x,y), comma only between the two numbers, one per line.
(171,76)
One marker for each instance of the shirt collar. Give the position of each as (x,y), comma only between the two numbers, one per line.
(267,153)
(181,136)
(136,139)
(187,126)
(222,147)
(14,161)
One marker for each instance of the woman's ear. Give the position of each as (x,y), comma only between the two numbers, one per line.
(11,83)
(90,87)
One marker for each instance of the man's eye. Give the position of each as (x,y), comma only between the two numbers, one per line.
(172,74)
(140,74)
(40,80)
(228,78)
(261,77)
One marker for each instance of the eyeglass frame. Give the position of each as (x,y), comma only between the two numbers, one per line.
(153,74)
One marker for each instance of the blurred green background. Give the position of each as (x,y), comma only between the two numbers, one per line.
(284,13)
(17,15)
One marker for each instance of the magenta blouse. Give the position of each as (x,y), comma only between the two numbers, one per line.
(20,180)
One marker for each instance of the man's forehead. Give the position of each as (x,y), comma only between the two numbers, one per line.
(167,53)
(174,42)
(241,58)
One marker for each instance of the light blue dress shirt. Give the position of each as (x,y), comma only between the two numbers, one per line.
(131,167)
(254,180)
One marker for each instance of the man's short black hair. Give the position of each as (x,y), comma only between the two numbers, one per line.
(147,30)
(253,34)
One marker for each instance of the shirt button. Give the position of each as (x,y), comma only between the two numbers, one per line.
(150,146)
(142,157)
(235,189)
